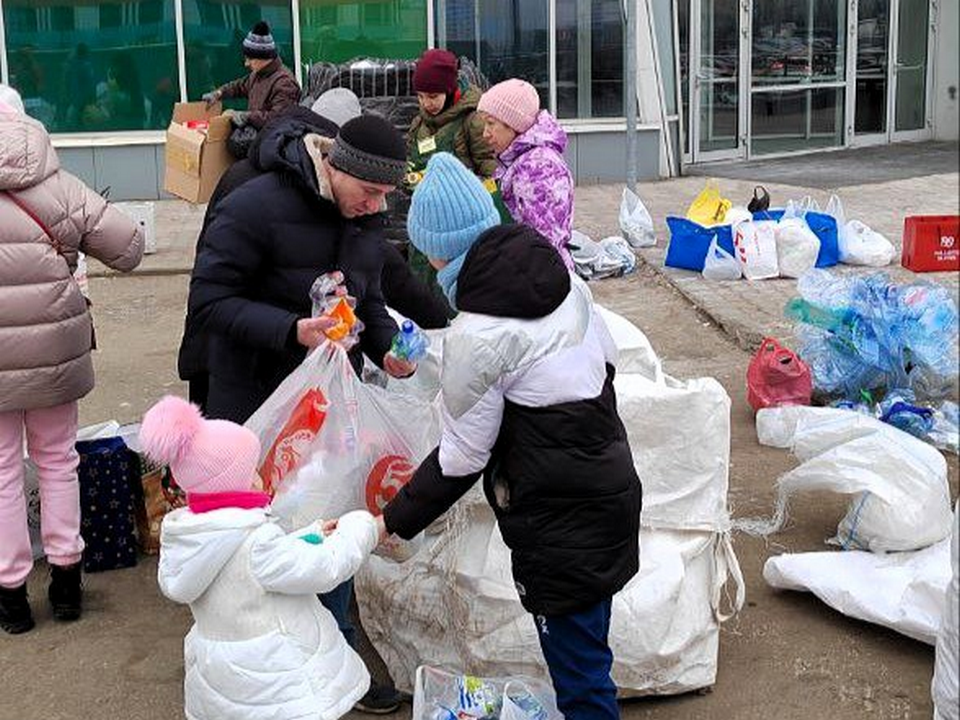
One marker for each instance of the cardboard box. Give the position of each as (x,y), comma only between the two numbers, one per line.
(195,157)
(931,243)
(142,213)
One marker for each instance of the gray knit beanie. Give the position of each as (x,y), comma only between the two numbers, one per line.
(370,148)
(259,43)
(338,105)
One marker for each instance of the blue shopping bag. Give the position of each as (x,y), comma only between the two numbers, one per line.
(690,241)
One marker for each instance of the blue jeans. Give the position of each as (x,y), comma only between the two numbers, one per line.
(337,601)
(579,660)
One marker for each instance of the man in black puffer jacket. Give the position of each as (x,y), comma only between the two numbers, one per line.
(528,402)
(279,143)
(316,209)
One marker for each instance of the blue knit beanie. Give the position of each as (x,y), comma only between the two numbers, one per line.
(449,210)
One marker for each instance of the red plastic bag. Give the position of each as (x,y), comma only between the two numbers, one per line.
(777,376)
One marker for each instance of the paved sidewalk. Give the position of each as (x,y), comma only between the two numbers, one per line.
(747,311)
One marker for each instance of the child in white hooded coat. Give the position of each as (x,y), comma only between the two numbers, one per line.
(262,646)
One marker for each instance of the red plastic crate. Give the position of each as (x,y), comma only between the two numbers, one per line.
(931,243)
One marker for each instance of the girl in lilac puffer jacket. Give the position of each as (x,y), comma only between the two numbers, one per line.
(535,181)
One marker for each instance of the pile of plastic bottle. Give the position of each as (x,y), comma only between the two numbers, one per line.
(480,699)
(869,334)
(938,424)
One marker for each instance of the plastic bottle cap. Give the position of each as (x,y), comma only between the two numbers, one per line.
(407,326)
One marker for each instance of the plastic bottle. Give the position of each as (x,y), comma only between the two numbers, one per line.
(531,707)
(411,343)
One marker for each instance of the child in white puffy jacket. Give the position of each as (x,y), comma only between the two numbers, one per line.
(262,646)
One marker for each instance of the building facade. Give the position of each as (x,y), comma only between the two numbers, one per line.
(716,79)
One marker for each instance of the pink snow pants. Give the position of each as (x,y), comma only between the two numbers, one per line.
(51,436)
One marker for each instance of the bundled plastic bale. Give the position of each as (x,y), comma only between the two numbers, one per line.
(905,592)
(901,499)
(946,684)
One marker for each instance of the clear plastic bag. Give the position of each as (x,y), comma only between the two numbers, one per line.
(719,264)
(332,444)
(797,247)
(858,243)
(442,695)
(636,224)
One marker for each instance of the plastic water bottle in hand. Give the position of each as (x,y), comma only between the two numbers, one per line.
(411,343)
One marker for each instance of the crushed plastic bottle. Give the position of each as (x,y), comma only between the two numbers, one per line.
(411,343)
(478,698)
(528,703)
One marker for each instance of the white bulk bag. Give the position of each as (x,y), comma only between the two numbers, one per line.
(901,499)
(902,591)
(454,603)
(946,684)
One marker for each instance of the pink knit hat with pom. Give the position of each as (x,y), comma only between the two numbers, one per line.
(205,456)
(513,102)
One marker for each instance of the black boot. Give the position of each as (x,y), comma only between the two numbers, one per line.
(15,615)
(66,592)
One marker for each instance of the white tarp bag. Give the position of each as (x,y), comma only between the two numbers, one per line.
(857,243)
(636,224)
(331,444)
(720,265)
(666,621)
(904,591)
(611,257)
(901,499)
(756,244)
(946,684)
(442,695)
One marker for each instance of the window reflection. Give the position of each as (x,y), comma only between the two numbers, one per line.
(340,31)
(87,66)
(512,38)
(799,41)
(590,58)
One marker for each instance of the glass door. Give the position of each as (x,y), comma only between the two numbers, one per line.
(872,71)
(892,71)
(715,90)
(910,71)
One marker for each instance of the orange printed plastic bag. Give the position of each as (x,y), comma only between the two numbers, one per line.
(294,439)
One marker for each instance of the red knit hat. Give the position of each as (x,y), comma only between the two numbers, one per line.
(436,72)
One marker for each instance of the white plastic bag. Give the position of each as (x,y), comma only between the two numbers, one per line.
(332,444)
(719,264)
(858,244)
(635,221)
(861,245)
(902,591)
(901,500)
(946,684)
(611,257)
(756,243)
(736,215)
(797,247)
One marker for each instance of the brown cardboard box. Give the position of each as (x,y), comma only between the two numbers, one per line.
(195,159)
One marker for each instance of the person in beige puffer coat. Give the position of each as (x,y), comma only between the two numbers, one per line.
(46,217)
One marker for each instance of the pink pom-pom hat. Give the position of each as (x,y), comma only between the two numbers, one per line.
(205,456)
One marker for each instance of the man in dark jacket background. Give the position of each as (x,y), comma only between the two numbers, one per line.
(315,210)
(270,88)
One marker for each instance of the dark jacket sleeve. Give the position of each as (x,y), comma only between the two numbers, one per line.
(426,497)
(379,328)
(225,273)
(236,88)
(407,294)
(283,94)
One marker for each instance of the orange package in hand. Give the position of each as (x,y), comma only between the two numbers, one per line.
(346,318)
(296,436)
